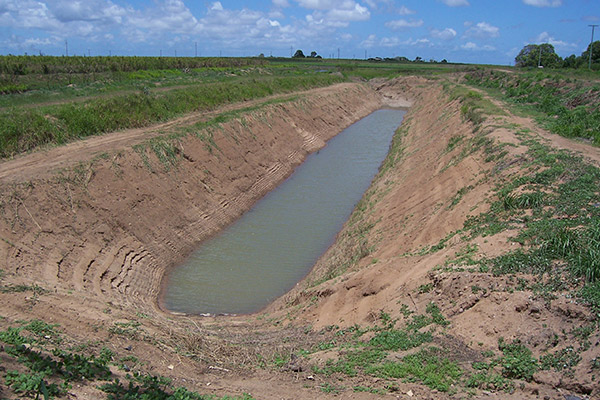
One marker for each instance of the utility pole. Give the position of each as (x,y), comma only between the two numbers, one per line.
(195,49)
(592,44)
(291,51)
(67,48)
(540,58)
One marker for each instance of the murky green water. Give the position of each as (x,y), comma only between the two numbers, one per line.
(274,245)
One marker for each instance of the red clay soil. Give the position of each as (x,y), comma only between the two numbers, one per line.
(98,223)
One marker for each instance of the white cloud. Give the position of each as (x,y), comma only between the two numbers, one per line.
(369,42)
(446,34)
(470,46)
(63,18)
(161,21)
(31,44)
(357,13)
(335,14)
(281,3)
(545,37)
(168,17)
(456,3)
(406,11)
(276,14)
(375,3)
(217,6)
(325,4)
(482,30)
(543,3)
(373,41)
(404,24)
(92,10)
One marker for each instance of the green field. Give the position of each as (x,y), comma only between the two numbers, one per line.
(55,100)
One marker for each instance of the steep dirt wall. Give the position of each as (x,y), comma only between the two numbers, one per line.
(112,225)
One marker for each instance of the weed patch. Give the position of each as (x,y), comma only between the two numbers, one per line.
(428,366)
(569,108)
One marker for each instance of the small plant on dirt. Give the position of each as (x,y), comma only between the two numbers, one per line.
(130,329)
(517,361)
(566,358)
(425,288)
(153,387)
(453,142)
(488,380)
(48,371)
(459,195)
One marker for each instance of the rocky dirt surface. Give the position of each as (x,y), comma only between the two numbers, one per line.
(89,230)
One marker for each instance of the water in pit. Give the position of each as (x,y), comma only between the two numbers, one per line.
(274,245)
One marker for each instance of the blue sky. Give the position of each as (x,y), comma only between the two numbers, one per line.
(471,31)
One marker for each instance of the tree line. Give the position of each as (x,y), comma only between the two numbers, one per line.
(543,55)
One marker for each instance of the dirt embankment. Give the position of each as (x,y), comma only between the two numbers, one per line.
(110,224)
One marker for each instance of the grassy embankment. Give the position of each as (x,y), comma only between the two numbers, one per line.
(562,102)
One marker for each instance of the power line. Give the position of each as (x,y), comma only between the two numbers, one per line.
(592,44)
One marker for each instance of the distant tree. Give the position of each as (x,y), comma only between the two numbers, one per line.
(444,61)
(298,54)
(529,56)
(595,53)
(313,54)
(261,55)
(572,61)
(418,59)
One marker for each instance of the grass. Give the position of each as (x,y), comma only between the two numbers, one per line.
(474,107)
(553,204)
(430,366)
(22,130)
(565,104)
